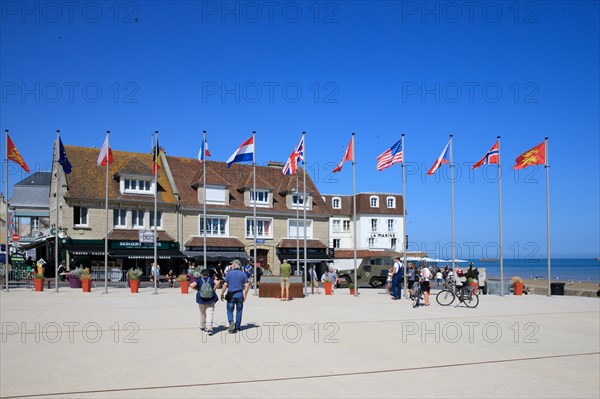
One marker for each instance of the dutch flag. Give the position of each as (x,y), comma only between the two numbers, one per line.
(243,154)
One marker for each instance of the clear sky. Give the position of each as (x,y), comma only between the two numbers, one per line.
(522,70)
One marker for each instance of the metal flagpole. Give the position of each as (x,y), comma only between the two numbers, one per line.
(156,155)
(354,235)
(204,196)
(548,211)
(304,204)
(254,208)
(106,215)
(56,166)
(404,217)
(297,220)
(7,251)
(500,224)
(452,203)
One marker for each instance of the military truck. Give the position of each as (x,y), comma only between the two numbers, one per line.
(372,271)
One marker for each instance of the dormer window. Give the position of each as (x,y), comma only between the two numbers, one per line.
(136,186)
(374,201)
(336,203)
(391,202)
(262,197)
(297,200)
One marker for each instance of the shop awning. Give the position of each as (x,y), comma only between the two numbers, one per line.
(36,244)
(85,249)
(145,254)
(215,256)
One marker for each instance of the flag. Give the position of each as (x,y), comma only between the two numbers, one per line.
(291,166)
(490,158)
(62,157)
(393,155)
(106,156)
(534,156)
(11,223)
(203,153)
(155,159)
(348,156)
(243,154)
(14,155)
(442,160)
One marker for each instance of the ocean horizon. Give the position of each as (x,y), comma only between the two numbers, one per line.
(564,269)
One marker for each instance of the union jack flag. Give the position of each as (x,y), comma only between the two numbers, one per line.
(291,166)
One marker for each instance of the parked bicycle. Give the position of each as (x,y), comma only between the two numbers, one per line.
(464,293)
(417,294)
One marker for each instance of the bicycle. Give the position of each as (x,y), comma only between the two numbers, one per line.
(417,294)
(464,294)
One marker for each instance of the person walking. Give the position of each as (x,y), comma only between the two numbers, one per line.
(425,282)
(314,280)
(412,277)
(397,279)
(236,285)
(285,271)
(206,298)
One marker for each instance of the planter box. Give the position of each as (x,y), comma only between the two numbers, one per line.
(74,282)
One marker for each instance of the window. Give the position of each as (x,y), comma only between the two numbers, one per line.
(263,228)
(137,186)
(373,224)
(297,200)
(371,242)
(336,203)
(119,217)
(296,229)
(394,241)
(262,197)
(215,226)
(215,195)
(336,225)
(137,218)
(346,225)
(374,201)
(35,224)
(336,242)
(390,225)
(158,216)
(80,216)
(391,202)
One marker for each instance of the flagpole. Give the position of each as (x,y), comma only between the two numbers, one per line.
(304,205)
(404,216)
(500,223)
(56,192)
(354,235)
(203,149)
(254,208)
(548,211)
(106,215)
(156,155)
(452,203)
(6,276)
(297,220)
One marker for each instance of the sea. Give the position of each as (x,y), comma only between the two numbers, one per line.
(560,269)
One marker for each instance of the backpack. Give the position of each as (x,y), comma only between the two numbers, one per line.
(206,291)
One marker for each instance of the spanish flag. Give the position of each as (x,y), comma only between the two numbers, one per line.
(14,155)
(155,159)
(534,156)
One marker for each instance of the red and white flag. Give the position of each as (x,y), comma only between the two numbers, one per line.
(106,156)
(348,155)
(441,160)
(490,158)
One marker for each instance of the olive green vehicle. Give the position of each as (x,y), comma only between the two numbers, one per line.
(372,271)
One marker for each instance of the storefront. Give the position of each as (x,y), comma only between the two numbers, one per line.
(218,250)
(317,254)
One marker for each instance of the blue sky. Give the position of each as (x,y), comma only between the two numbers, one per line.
(522,70)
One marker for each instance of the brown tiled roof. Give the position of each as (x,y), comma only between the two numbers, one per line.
(214,242)
(133,235)
(87,180)
(363,204)
(367,253)
(291,243)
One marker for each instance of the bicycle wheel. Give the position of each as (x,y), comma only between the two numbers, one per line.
(417,299)
(445,297)
(471,300)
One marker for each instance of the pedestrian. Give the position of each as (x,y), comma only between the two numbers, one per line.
(285,270)
(397,279)
(155,272)
(206,298)
(236,285)
(314,280)
(388,281)
(438,278)
(170,277)
(412,277)
(425,282)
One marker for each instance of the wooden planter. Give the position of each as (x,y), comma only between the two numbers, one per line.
(185,285)
(39,284)
(86,285)
(328,288)
(134,286)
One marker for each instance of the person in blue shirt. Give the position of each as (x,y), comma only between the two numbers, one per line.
(206,305)
(236,285)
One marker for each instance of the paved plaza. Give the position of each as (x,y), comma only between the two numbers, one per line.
(77,345)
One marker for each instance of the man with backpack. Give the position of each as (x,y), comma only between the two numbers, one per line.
(236,285)
(206,298)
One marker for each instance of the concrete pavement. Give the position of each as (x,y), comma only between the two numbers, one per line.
(73,344)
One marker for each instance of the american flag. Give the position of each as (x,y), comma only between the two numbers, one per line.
(393,155)
(291,165)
